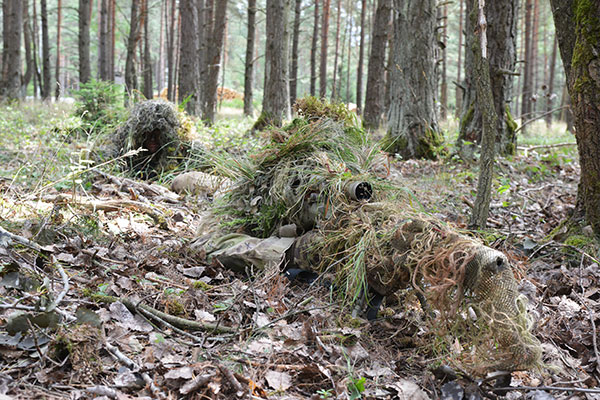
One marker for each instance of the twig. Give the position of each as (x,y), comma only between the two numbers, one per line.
(103,391)
(545,146)
(196,383)
(65,281)
(540,116)
(176,321)
(229,375)
(556,388)
(129,363)
(7,237)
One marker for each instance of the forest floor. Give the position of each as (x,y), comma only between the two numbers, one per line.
(80,240)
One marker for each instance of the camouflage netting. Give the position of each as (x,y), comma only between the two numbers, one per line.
(160,130)
(377,239)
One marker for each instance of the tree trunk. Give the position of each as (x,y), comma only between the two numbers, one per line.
(577,25)
(10,87)
(249,62)
(104,45)
(160,63)
(188,70)
(6,24)
(215,51)
(550,95)
(535,26)
(171,52)
(501,48)
(130,74)
(413,127)
(112,31)
(37,78)
(85,71)
(313,51)
(444,83)
(148,87)
(27,37)
(337,49)
(58,87)
(45,51)
(276,105)
(324,37)
(374,101)
(349,36)
(460,87)
(527,92)
(361,57)
(485,95)
(294,55)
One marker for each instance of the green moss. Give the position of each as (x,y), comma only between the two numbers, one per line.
(588,35)
(201,285)
(579,241)
(467,118)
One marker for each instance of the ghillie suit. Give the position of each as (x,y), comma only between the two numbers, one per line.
(366,234)
(159,130)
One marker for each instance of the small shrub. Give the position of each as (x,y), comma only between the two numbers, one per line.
(99,104)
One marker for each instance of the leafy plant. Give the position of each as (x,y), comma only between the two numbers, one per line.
(99,104)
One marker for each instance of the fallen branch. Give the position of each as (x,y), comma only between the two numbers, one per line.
(555,388)
(125,184)
(7,237)
(229,375)
(196,383)
(178,322)
(109,205)
(129,363)
(545,146)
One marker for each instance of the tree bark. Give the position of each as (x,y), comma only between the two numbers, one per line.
(10,87)
(294,55)
(171,51)
(550,95)
(527,92)
(276,100)
(58,37)
(459,88)
(104,45)
(501,48)
(188,70)
(444,83)
(324,37)
(249,62)
(413,127)
(27,38)
(374,101)
(85,71)
(313,51)
(160,62)
(148,87)
(215,52)
(130,74)
(361,57)
(577,25)
(45,51)
(337,50)
(37,78)
(483,84)
(112,32)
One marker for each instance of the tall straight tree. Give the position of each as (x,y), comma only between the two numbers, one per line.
(324,37)
(374,102)
(171,33)
(313,50)
(294,55)
(444,41)
(276,100)
(334,93)
(27,38)
(361,55)
(58,37)
(527,70)
(104,45)
(188,70)
(459,87)
(412,118)
(10,87)
(249,62)
(148,87)
(550,94)
(577,25)
(214,55)
(45,51)
(501,48)
(112,28)
(132,39)
(84,41)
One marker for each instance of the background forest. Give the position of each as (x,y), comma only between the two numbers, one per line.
(393,146)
